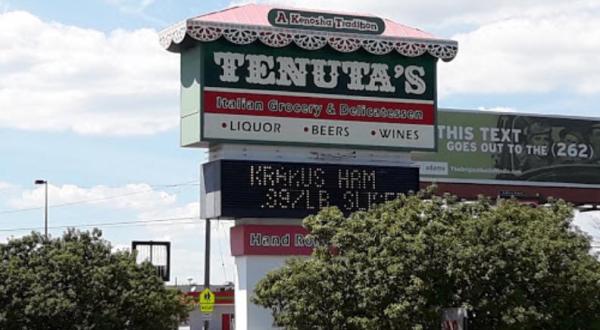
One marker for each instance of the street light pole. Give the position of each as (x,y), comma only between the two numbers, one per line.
(45,183)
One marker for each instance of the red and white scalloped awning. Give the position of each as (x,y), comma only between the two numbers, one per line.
(248,23)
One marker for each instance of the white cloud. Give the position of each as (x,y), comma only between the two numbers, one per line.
(6,185)
(190,210)
(184,229)
(187,242)
(589,222)
(221,269)
(120,247)
(138,197)
(131,5)
(137,8)
(187,239)
(497,109)
(146,202)
(177,229)
(4,6)
(55,77)
(431,14)
(538,53)
(530,46)
(186,236)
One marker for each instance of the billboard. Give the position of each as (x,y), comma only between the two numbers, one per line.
(487,147)
(260,189)
(293,96)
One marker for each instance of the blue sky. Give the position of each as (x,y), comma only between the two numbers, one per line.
(89,102)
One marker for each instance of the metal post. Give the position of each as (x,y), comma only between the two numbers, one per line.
(45,183)
(207,263)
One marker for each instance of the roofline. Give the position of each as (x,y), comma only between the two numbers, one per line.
(175,38)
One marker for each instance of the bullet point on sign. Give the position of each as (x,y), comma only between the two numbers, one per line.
(224,125)
(306,129)
(373,133)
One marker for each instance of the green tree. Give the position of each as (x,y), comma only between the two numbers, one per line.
(77,282)
(398,265)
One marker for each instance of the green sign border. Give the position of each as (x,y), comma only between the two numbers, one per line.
(192,105)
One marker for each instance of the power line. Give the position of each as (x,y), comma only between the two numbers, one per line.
(110,224)
(77,202)
(101,199)
(155,185)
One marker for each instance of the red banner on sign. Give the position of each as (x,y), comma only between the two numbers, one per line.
(333,108)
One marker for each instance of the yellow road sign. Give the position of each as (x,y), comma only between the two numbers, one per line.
(207,301)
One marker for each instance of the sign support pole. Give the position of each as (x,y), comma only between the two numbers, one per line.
(207,263)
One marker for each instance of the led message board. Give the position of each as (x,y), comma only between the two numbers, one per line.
(256,189)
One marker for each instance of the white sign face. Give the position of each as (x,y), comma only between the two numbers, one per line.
(292,118)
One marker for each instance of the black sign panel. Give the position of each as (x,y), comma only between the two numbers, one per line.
(310,20)
(256,189)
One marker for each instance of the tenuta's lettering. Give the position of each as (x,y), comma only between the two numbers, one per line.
(290,71)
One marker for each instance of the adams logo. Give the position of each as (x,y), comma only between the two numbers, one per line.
(325,21)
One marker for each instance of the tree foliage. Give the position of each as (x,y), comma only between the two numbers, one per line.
(398,265)
(77,282)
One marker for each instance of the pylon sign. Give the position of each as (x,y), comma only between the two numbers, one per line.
(207,301)
(306,79)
